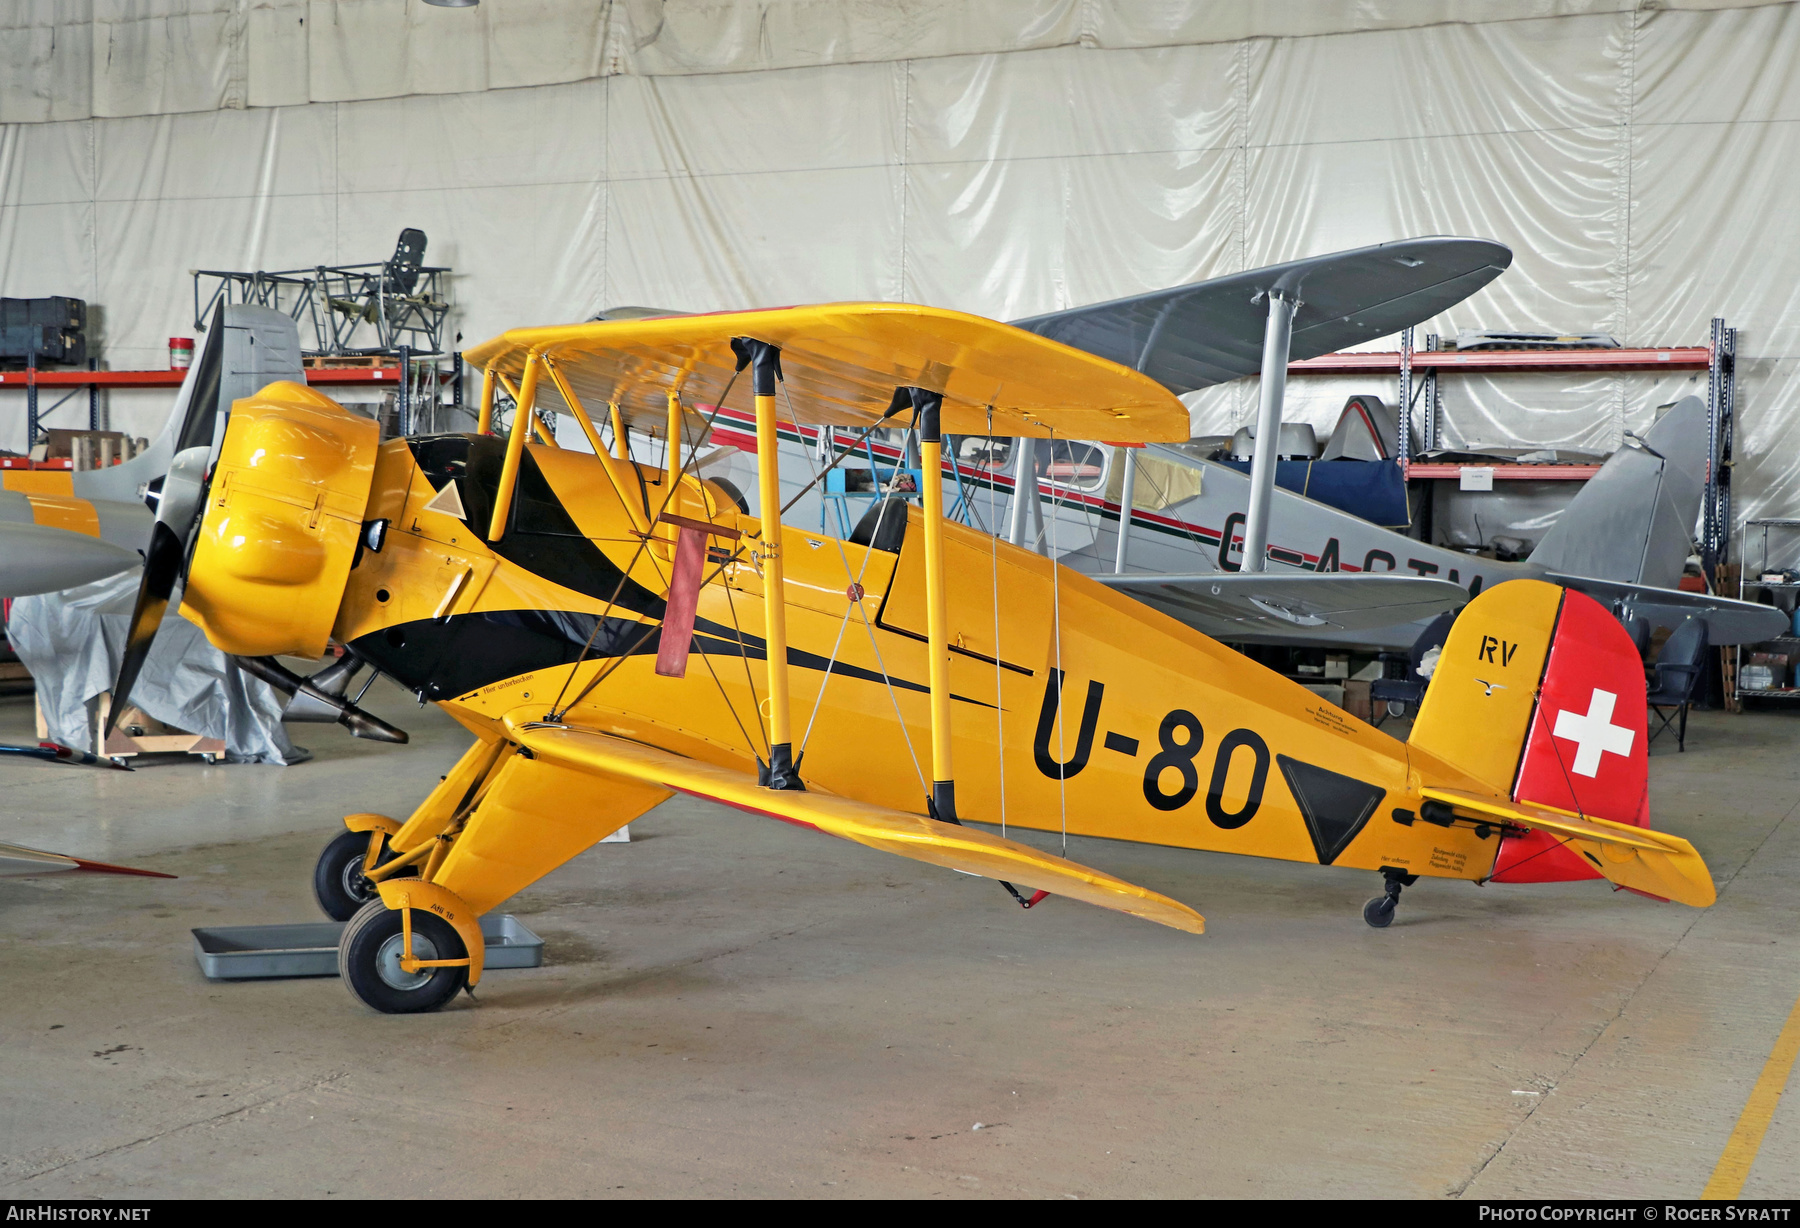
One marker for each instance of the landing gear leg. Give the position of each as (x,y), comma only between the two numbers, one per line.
(1379,912)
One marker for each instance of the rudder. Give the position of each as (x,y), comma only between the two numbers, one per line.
(1539,695)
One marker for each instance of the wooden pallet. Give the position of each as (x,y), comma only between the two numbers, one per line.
(137,733)
(361,361)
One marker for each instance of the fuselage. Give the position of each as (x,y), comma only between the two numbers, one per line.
(1075,708)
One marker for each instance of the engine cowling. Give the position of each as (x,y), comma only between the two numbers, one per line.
(283,513)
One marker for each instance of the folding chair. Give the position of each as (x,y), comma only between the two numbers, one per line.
(1672,679)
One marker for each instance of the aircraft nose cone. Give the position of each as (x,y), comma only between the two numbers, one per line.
(36,558)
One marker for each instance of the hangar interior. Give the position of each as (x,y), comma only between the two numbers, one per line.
(882,1027)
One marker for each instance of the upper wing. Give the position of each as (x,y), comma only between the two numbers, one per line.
(1212,331)
(1652,862)
(1221,603)
(842,362)
(942,844)
(1728,620)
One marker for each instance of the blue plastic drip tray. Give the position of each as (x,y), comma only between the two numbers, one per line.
(310,948)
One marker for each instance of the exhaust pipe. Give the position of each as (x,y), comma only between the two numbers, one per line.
(320,698)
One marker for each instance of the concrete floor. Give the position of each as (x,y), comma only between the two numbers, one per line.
(867,1012)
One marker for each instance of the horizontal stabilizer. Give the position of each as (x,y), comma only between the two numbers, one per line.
(893,831)
(1212,331)
(1652,862)
(1322,599)
(1728,620)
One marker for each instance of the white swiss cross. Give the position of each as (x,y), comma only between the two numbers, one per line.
(1594,733)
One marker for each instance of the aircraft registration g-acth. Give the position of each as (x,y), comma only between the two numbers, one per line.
(613,633)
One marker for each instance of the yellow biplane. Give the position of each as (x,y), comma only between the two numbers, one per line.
(614,632)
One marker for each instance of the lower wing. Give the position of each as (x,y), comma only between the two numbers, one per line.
(1218,603)
(893,831)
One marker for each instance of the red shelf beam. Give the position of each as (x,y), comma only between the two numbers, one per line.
(1505,473)
(173,378)
(1666,358)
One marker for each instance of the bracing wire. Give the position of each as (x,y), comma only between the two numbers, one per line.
(999,697)
(668,496)
(819,474)
(855,579)
(744,655)
(706,660)
(1062,777)
(629,566)
(819,699)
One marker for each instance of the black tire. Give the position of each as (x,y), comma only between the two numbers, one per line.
(369,960)
(338,883)
(1379,912)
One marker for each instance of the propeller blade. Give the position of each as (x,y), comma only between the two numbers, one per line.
(162,567)
(55,752)
(177,513)
(17,860)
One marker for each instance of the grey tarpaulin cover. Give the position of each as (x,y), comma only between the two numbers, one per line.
(72,641)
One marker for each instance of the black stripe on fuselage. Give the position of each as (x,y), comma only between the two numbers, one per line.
(445,658)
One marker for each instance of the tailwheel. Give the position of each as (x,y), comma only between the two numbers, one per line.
(371,949)
(338,882)
(1379,912)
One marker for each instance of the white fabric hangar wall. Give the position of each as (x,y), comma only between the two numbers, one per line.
(1004,159)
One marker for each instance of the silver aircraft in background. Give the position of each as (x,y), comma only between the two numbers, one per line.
(1624,540)
(41,550)
(1235,556)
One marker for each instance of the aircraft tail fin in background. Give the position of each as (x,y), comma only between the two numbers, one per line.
(1633,522)
(1538,696)
(246,348)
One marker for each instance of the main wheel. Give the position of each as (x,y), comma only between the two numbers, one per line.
(338,882)
(369,960)
(1379,912)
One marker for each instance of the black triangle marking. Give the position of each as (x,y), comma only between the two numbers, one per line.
(1335,807)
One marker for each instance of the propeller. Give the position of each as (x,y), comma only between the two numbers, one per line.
(177,517)
(180,509)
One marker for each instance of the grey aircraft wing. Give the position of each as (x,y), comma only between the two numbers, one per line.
(1728,620)
(1209,332)
(1226,604)
(41,558)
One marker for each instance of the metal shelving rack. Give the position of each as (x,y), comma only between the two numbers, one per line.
(1412,365)
(31,379)
(1745,583)
(411,378)
(1718,358)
